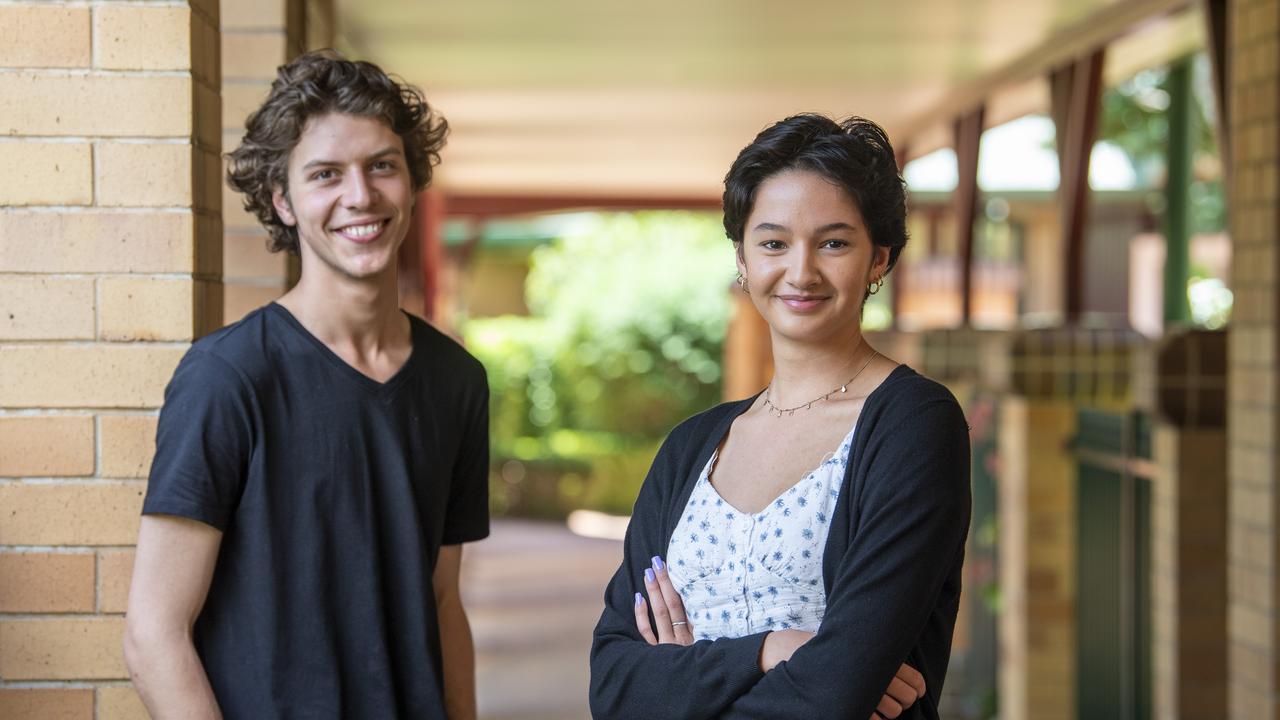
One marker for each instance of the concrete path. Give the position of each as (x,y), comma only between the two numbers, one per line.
(533,592)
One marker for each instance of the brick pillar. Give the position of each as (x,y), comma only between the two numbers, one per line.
(257,37)
(110,254)
(1189,526)
(1037,557)
(1253,71)
(1188,576)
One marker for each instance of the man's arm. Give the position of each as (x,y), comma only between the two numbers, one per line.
(457,648)
(171,574)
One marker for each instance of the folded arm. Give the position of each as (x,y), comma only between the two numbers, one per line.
(631,678)
(910,538)
(671,624)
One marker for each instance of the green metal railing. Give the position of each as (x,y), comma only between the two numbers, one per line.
(1113,552)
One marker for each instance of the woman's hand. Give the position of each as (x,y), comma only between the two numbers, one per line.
(669,618)
(904,690)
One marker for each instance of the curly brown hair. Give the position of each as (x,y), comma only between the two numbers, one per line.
(314,84)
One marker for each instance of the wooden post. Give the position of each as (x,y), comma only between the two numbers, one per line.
(968,136)
(1075,97)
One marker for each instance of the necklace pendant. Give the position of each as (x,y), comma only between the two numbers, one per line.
(844,388)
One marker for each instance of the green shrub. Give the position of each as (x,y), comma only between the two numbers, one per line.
(624,341)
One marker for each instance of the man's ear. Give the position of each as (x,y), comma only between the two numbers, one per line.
(280,201)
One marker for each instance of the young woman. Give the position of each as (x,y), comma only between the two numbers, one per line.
(798,554)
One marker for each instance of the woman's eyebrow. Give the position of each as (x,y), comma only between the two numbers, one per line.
(837,226)
(774,227)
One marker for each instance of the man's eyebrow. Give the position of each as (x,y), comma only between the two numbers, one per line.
(389,150)
(772,227)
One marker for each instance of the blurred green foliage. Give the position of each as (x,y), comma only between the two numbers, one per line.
(1135,118)
(624,340)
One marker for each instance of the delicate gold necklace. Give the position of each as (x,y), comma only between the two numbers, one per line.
(779,412)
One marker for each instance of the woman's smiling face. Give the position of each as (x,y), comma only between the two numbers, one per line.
(807,257)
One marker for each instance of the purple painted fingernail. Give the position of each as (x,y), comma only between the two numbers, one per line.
(639,599)
(657,563)
(648,575)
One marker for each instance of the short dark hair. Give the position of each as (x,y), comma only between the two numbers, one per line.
(855,154)
(314,84)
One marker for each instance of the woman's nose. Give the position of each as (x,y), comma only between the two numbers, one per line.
(802,272)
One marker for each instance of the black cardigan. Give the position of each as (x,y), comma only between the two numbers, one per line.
(891,570)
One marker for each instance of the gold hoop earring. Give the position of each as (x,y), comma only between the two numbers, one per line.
(742,282)
(874,287)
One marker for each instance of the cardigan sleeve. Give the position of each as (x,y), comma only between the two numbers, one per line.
(633,679)
(914,517)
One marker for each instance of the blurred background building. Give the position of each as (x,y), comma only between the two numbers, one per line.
(1095,221)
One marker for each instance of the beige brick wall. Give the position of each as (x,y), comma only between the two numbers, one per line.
(1037,517)
(257,37)
(1254,216)
(46,703)
(110,263)
(1188,528)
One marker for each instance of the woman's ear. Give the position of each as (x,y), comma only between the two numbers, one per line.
(740,258)
(280,201)
(879,262)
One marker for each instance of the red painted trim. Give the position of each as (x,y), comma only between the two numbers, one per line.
(968,136)
(503,205)
(1077,93)
(432,216)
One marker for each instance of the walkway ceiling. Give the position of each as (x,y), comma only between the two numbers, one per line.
(654,99)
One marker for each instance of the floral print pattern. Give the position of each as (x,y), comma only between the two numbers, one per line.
(741,573)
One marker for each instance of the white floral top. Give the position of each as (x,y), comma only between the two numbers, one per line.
(741,573)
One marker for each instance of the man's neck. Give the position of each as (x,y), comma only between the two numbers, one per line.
(360,317)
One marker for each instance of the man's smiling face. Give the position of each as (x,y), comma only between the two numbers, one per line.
(350,195)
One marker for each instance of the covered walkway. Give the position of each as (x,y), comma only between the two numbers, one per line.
(533,593)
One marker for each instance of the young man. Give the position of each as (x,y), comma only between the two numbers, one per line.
(319,463)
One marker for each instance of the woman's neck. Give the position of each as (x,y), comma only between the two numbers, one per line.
(804,371)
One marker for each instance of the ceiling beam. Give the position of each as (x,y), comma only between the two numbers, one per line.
(1058,49)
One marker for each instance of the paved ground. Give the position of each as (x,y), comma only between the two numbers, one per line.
(533,593)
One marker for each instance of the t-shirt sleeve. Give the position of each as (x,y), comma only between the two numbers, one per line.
(467,516)
(203,442)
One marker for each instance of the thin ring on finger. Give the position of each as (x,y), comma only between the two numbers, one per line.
(657,604)
(674,603)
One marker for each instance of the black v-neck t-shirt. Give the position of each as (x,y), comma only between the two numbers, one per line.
(334,493)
